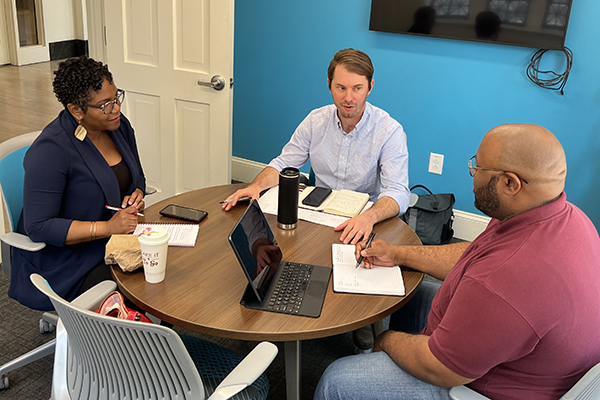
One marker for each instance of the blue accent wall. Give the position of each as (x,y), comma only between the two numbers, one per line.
(446,93)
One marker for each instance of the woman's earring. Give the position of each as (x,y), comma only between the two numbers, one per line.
(80,132)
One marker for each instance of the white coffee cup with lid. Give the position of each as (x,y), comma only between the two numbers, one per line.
(154,242)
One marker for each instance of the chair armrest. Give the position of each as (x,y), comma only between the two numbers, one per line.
(464,393)
(21,242)
(246,372)
(589,383)
(92,298)
(303,180)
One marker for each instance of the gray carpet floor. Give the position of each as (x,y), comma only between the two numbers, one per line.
(19,333)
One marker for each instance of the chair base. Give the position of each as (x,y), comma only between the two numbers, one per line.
(27,358)
(47,324)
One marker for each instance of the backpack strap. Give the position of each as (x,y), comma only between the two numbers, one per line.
(412,218)
(422,187)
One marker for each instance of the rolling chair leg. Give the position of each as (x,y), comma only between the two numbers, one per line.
(364,337)
(27,358)
(48,322)
(377,328)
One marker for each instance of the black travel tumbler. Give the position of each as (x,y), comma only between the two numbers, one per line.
(287,208)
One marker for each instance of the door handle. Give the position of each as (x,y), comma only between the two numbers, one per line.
(217,82)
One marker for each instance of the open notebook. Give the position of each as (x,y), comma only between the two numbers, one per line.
(349,279)
(340,202)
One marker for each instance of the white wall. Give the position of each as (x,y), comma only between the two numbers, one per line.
(4,49)
(64,20)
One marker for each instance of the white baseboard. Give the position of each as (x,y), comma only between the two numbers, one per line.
(467,226)
(245,170)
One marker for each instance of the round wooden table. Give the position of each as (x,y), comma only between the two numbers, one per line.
(204,284)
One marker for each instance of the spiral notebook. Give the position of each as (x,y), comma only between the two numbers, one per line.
(182,235)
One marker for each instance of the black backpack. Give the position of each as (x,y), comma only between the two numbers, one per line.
(431,217)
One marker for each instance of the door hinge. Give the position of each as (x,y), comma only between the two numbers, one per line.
(105,43)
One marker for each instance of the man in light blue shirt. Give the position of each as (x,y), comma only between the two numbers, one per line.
(351,145)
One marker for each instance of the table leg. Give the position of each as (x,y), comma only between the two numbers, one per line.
(292,369)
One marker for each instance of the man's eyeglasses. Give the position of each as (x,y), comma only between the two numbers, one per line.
(473,166)
(109,106)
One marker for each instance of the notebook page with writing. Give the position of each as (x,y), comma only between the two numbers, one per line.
(347,203)
(342,202)
(181,235)
(349,279)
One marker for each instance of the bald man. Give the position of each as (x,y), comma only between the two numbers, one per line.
(516,316)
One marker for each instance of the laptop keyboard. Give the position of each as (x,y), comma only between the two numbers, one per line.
(290,288)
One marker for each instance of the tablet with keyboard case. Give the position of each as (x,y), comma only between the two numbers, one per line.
(273,284)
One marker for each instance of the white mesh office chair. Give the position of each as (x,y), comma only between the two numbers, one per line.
(587,388)
(100,357)
(12,174)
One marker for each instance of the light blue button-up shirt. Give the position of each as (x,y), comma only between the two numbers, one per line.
(372,159)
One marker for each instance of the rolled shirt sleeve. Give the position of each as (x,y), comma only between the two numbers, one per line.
(394,169)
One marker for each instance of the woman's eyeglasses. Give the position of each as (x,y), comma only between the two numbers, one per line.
(109,106)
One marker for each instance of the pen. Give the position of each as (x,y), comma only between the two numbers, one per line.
(245,198)
(119,209)
(369,240)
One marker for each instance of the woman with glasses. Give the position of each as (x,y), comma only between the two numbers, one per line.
(84,160)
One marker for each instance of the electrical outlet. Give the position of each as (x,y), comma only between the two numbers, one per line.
(436,163)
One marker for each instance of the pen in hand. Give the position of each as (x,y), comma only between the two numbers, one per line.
(119,209)
(369,240)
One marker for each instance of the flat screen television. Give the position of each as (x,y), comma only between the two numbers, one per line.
(540,24)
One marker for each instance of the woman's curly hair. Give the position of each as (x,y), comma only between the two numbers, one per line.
(77,78)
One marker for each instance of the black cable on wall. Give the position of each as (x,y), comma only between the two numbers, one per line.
(549,79)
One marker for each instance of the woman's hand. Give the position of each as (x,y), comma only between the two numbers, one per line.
(136,199)
(124,221)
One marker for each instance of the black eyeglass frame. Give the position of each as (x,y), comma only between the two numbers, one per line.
(473,168)
(119,99)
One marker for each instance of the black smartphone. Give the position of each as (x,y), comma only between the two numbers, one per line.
(185,213)
(316,197)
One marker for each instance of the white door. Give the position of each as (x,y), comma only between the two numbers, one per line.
(4,54)
(157,51)
(26,32)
